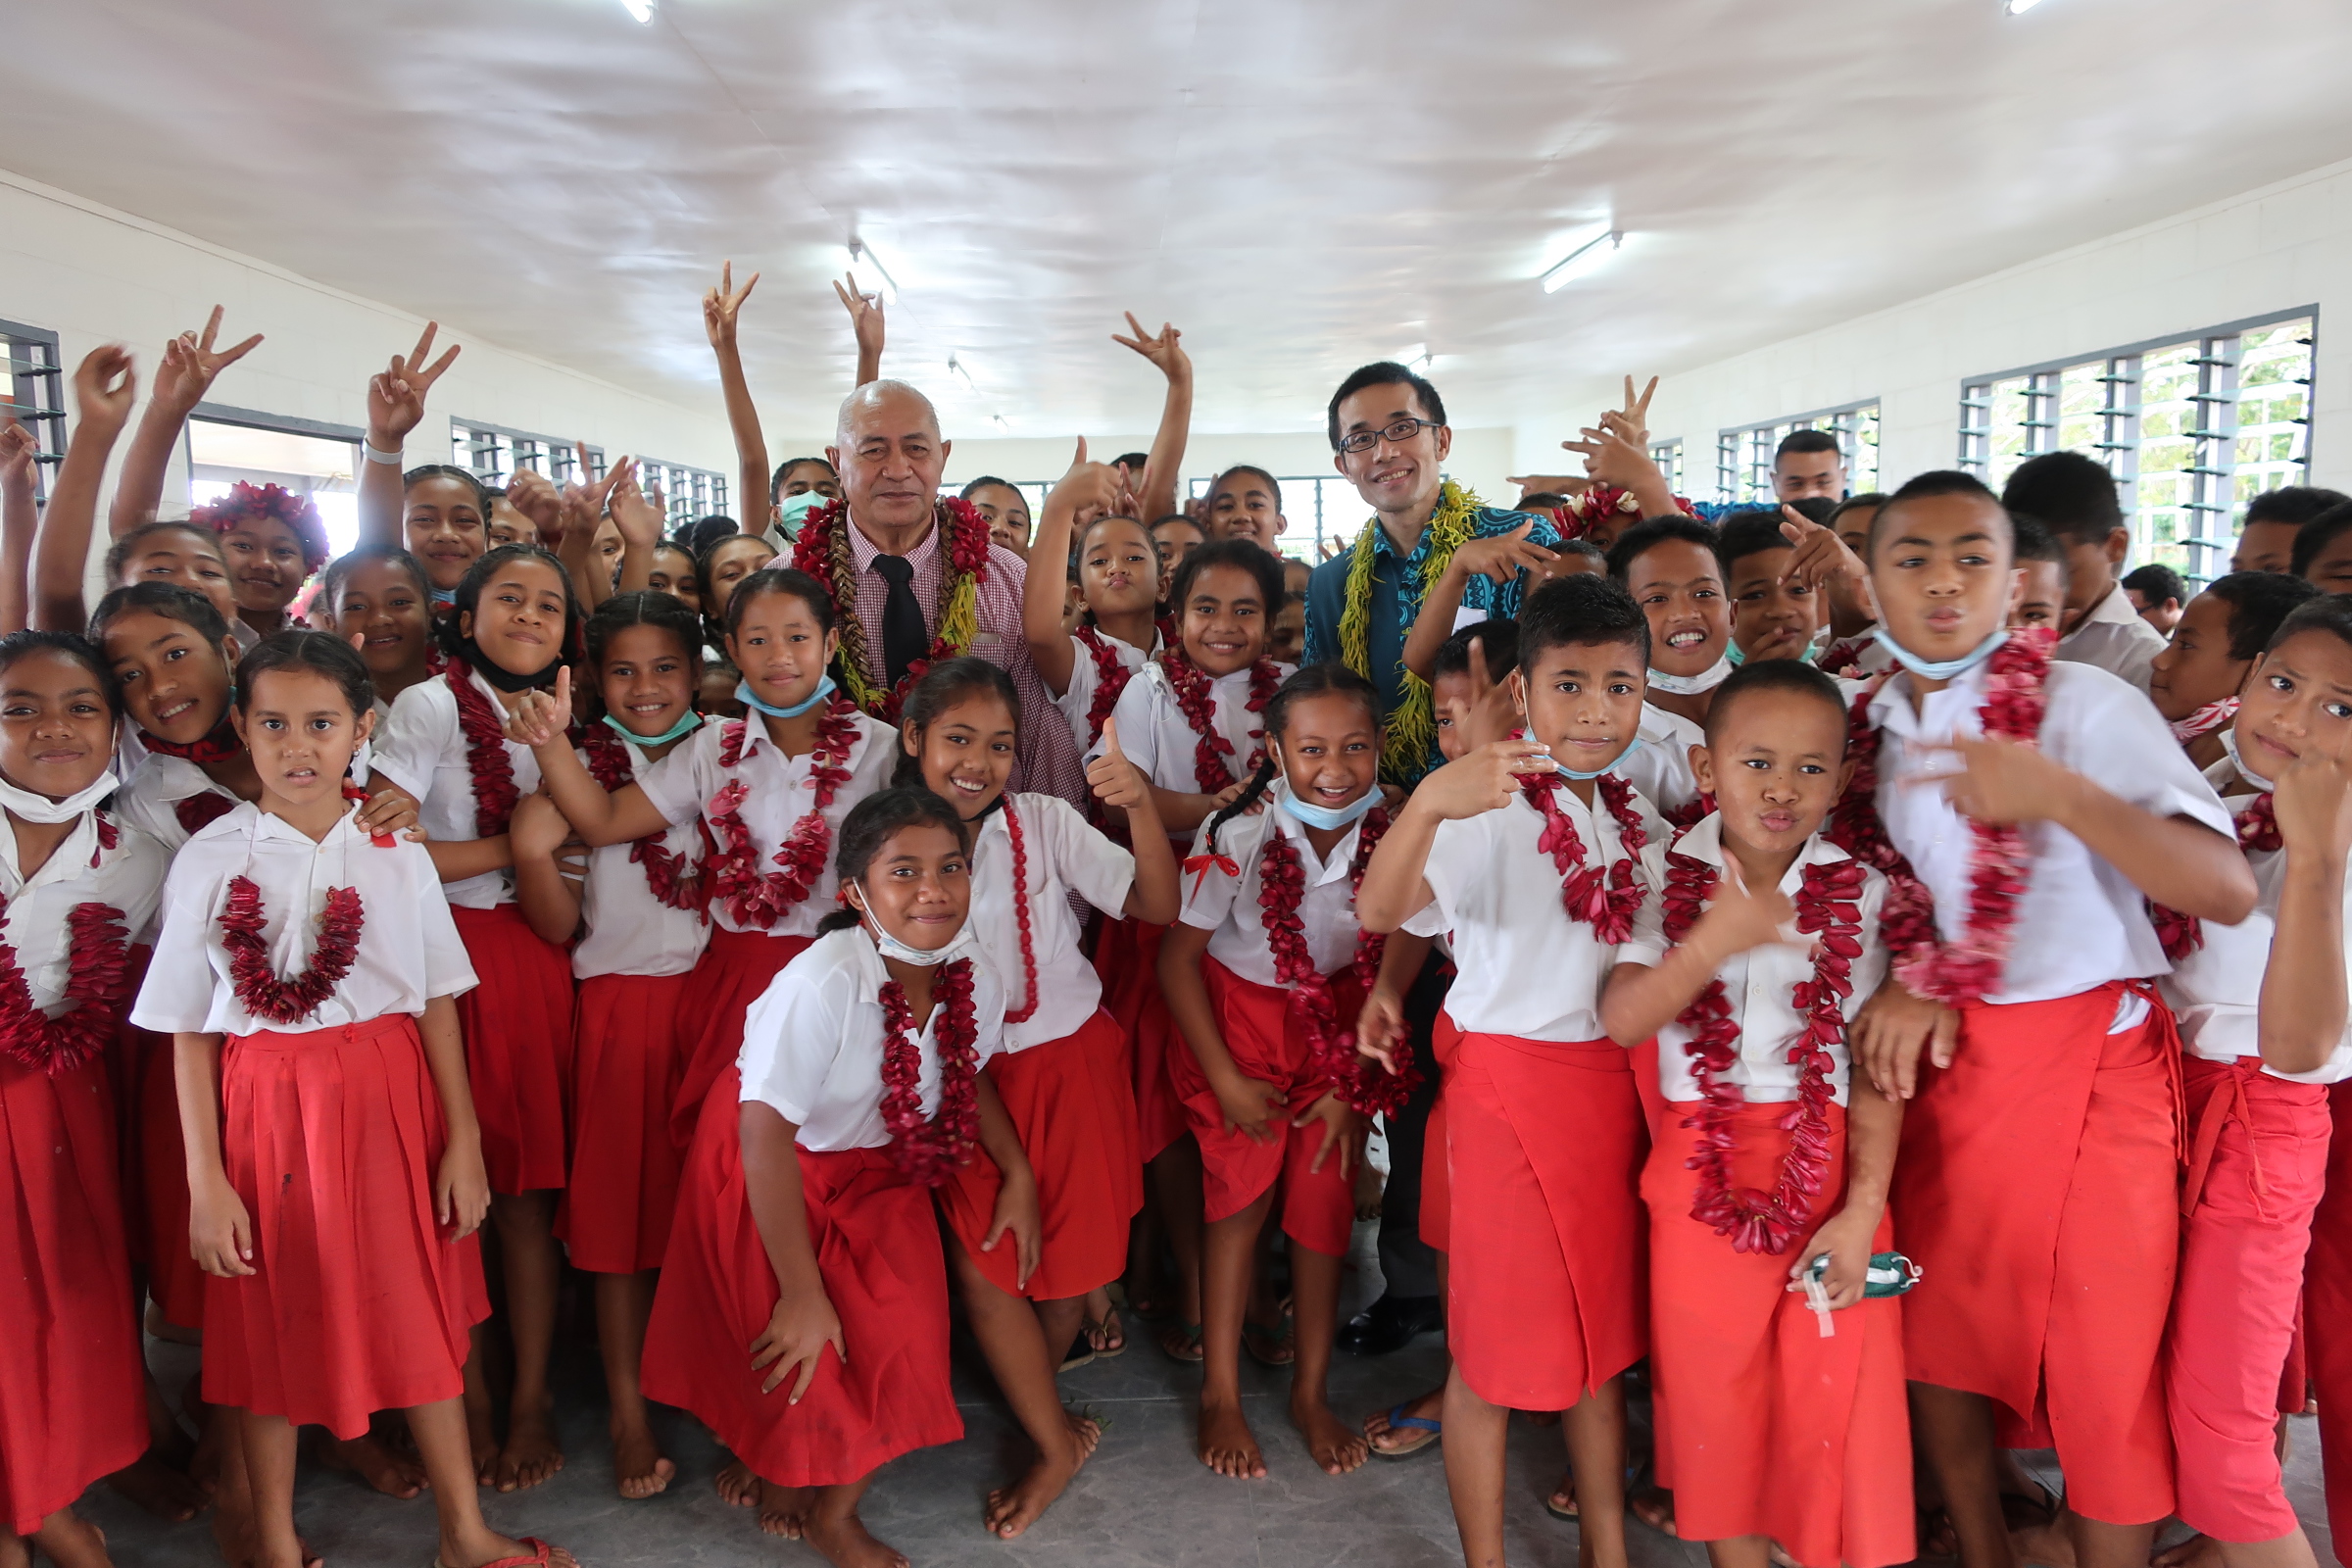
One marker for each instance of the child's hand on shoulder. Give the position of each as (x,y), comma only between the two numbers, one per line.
(798,1331)
(389,810)
(1483,780)
(219,1230)
(1343,1133)
(542,718)
(462,1188)
(1846,1240)
(1891,1032)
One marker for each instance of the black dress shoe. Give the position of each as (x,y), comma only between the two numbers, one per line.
(1391,1323)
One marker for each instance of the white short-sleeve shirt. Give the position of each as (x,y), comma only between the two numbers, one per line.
(629,930)
(812,1042)
(38,930)
(1156,738)
(421,748)
(2114,637)
(2216,992)
(1760,983)
(409,951)
(1225,904)
(1522,966)
(782,790)
(1660,765)
(149,802)
(2081,923)
(1063,856)
(1086,680)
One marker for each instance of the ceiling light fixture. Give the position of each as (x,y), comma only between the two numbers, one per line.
(1418,359)
(642,10)
(862,255)
(1002,422)
(1581,260)
(956,366)
(2018,8)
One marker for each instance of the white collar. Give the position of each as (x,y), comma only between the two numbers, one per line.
(1890,708)
(1705,843)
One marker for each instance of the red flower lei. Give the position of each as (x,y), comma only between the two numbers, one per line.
(97,984)
(259,989)
(1963,971)
(486,755)
(759,899)
(675,880)
(2257,829)
(1021,914)
(1842,658)
(822,551)
(220,746)
(927,1151)
(1828,905)
(199,812)
(1195,701)
(1110,679)
(1331,1046)
(1606,902)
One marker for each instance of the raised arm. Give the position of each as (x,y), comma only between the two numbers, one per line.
(1157,486)
(865,321)
(104,389)
(583,513)
(395,406)
(1394,890)
(189,365)
(721,307)
(20,521)
(1088,487)
(2303,992)
(638,517)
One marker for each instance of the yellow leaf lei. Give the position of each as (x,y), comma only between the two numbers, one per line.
(1410,733)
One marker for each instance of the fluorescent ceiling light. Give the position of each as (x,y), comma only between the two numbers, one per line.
(1417,357)
(864,264)
(2018,8)
(642,10)
(1581,260)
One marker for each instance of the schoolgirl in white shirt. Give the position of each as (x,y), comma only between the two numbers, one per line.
(335,1164)
(1090,669)
(641,923)
(805,1228)
(1063,1075)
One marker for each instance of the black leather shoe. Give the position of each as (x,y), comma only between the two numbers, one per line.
(1392,1323)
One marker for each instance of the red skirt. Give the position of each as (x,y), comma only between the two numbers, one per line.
(1264,1037)
(2259,1159)
(729,977)
(1072,1104)
(1765,1428)
(2038,1186)
(1546,1292)
(73,1404)
(877,1250)
(518,1028)
(1437,1178)
(1127,958)
(360,1300)
(2328,1316)
(627,1064)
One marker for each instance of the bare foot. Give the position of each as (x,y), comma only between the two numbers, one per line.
(1085,1430)
(373,1462)
(490,1547)
(848,1544)
(2046,1544)
(1226,1444)
(531,1454)
(73,1541)
(158,1488)
(1386,1437)
(482,1438)
(1652,1505)
(737,1487)
(1015,1508)
(1335,1445)
(2197,1551)
(783,1510)
(638,1465)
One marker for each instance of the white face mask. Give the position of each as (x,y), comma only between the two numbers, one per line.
(891,947)
(31,808)
(1706,680)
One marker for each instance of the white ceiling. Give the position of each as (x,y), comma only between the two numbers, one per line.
(1300,186)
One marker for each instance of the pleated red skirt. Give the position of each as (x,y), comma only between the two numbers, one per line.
(1765,1428)
(518,1028)
(1127,958)
(877,1252)
(625,1067)
(359,1299)
(2328,1316)
(1547,1296)
(1437,1177)
(2258,1160)
(723,984)
(2038,1186)
(1073,1107)
(1265,1042)
(73,1405)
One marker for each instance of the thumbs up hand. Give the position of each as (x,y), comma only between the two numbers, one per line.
(1117,782)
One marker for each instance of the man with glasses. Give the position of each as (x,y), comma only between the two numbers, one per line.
(1388,436)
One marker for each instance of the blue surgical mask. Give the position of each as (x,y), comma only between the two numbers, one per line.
(686,726)
(744,694)
(1940,669)
(444,596)
(1328,817)
(1570,772)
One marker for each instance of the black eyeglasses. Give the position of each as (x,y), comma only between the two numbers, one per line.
(1396,435)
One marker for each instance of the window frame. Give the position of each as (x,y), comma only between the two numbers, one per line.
(1745,452)
(36,397)
(686,507)
(556,451)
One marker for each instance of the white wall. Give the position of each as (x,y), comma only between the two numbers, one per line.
(2284,245)
(92,275)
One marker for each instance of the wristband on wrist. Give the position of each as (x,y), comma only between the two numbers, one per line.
(376,454)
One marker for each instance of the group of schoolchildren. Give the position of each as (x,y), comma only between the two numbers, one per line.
(1920,1044)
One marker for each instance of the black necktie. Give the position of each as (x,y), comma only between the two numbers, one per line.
(904,639)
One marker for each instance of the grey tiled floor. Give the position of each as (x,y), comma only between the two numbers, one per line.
(1142,1501)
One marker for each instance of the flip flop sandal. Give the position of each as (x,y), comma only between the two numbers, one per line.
(1079,1355)
(1106,1325)
(1426,1432)
(537,1557)
(1191,1353)
(1283,1354)
(1568,1513)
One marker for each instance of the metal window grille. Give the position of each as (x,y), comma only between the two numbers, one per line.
(2191,427)
(687,494)
(1743,453)
(1321,504)
(497,454)
(36,397)
(1668,456)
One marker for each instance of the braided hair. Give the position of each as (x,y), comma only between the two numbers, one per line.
(1314,680)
